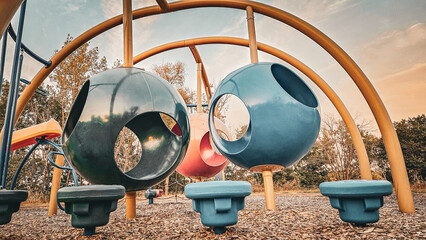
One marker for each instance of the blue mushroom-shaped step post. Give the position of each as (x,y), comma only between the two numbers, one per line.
(284,120)
(358,201)
(218,202)
(10,201)
(90,206)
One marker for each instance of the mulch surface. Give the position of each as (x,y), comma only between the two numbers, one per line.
(298,216)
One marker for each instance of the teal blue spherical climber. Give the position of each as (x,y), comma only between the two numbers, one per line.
(284,116)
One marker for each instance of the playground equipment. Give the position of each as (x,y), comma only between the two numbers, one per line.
(389,135)
(90,206)
(152,193)
(35,135)
(27,136)
(10,201)
(201,160)
(106,104)
(358,201)
(282,110)
(218,202)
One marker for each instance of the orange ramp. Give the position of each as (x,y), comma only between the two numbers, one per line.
(27,136)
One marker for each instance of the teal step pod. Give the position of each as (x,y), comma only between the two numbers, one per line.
(90,206)
(358,201)
(218,202)
(10,201)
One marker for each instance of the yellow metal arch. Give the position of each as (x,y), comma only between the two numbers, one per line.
(364,164)
(393,148)
(197,58)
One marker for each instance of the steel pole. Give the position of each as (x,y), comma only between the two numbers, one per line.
(128,62)
(56,182)
(130,205)
(252,35)
(198,87)
(3,58)
(127,31)
(11,107)
(12,119)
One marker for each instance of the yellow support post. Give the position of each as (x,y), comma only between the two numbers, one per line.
(163,5)
(130,205)
(198,87)
(251,35)
(269,189)
(56,183)
(127,29)
(128,62)
(266,173)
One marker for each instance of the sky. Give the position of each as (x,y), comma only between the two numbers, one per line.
(387,39)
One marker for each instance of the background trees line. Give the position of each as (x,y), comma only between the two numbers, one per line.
(333,156)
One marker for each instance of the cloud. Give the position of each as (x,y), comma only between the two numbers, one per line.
(70,7)
(315,11)
(394,51)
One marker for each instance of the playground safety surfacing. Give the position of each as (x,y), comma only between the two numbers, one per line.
(298,216)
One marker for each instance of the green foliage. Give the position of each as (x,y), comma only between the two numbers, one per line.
(412,137)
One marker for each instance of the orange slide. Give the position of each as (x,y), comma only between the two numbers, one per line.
(27,136)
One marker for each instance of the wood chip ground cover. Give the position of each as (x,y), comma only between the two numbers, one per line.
(298,216)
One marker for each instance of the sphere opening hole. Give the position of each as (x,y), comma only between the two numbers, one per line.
(223,135)
(153,147)
(127,150)
(209,153)
(232,111)
(76,110)
(294,85)
(171,124)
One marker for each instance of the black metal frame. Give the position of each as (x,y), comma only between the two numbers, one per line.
(43,141)
(15,79)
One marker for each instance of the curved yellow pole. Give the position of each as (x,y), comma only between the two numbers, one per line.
(337,102)
(197,58)
(7,10)
(393,148)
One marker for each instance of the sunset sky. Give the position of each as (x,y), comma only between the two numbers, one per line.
(387,39)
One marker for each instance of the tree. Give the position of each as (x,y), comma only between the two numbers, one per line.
(71,73)
(35,176)
(174,73)
(337,148)
(312,169)
(412,137)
